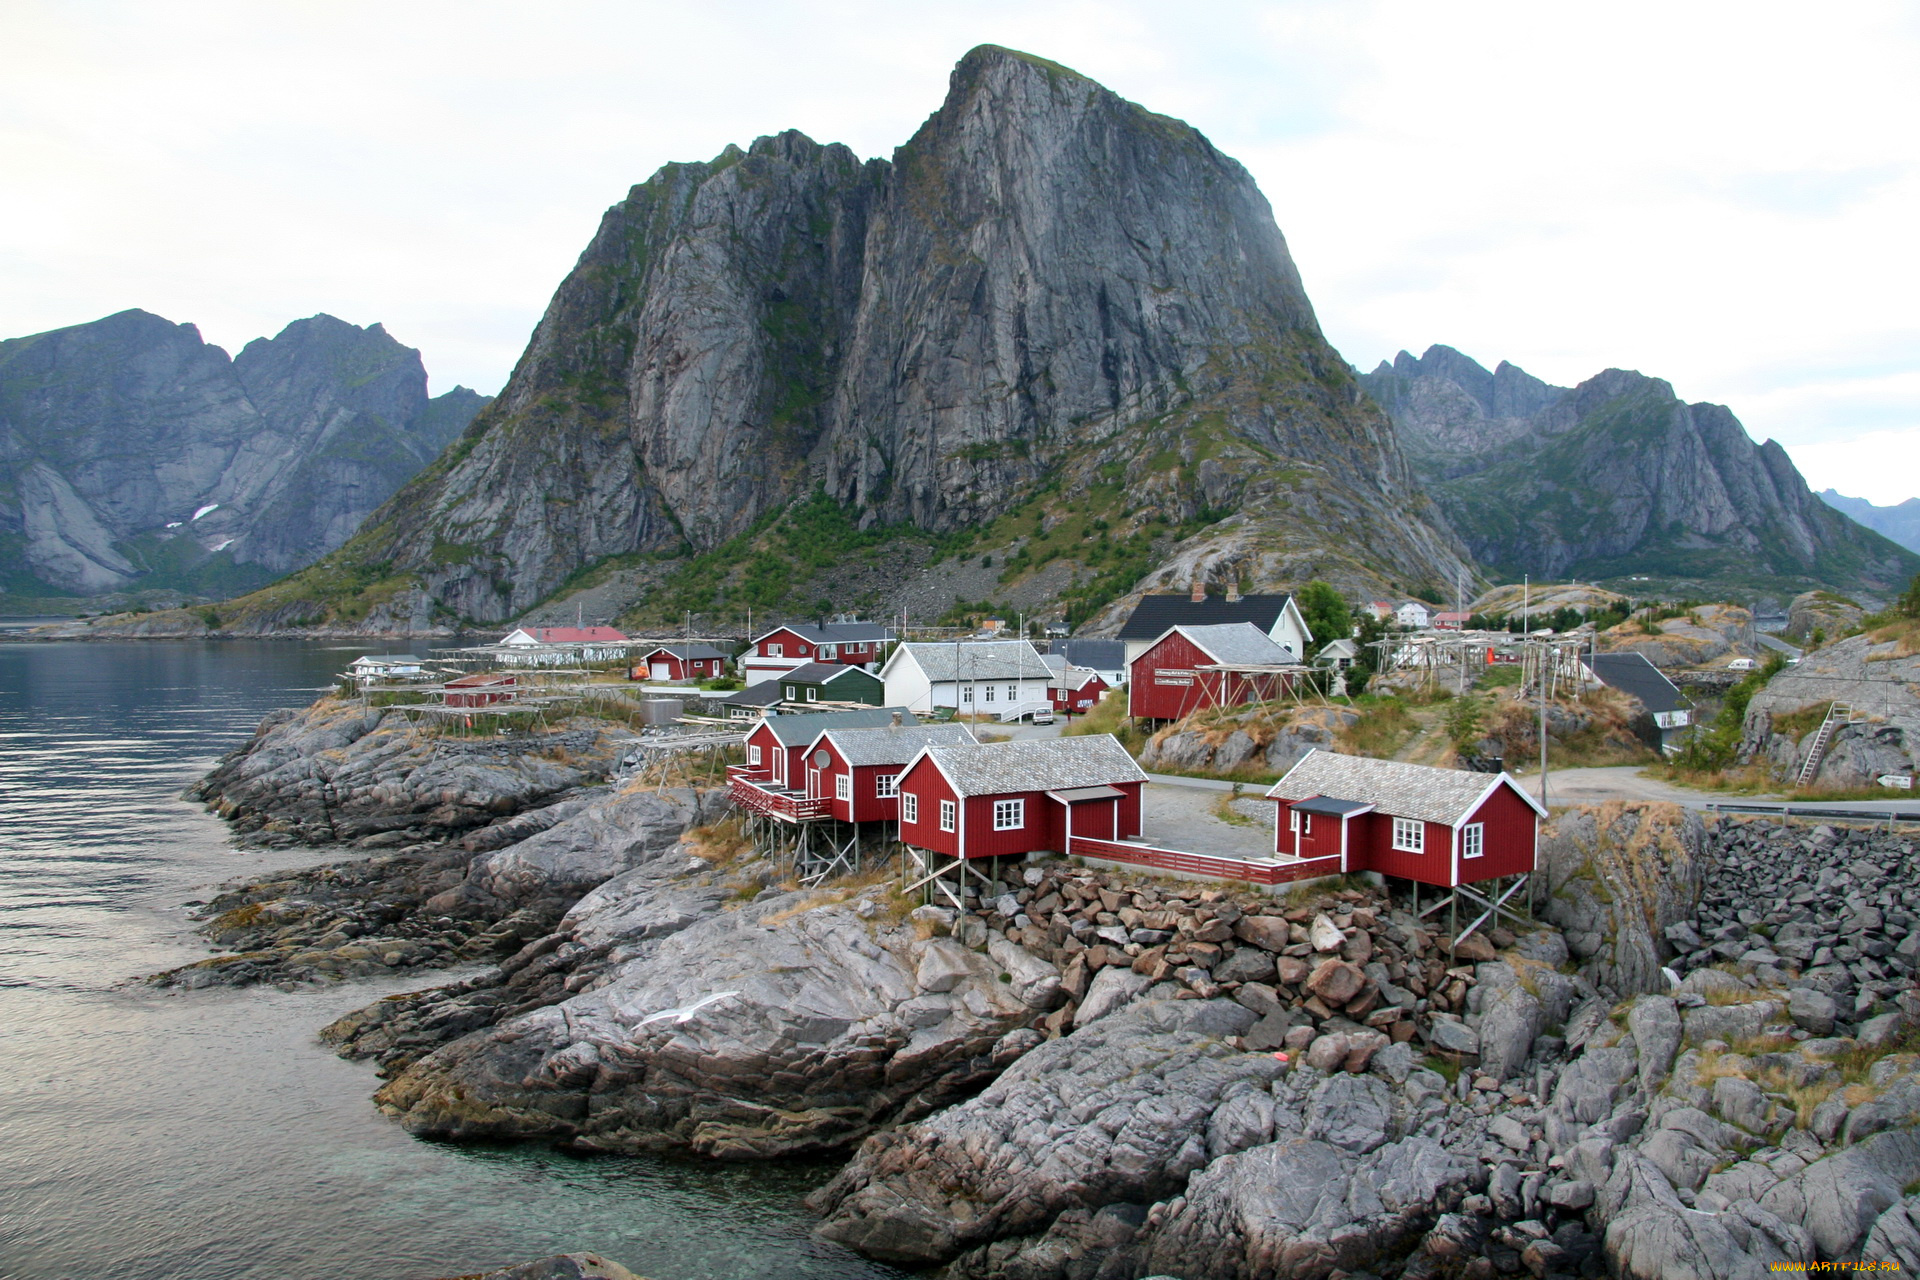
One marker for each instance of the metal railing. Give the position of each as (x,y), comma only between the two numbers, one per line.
(789,806)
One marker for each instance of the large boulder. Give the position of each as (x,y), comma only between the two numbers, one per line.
(790,1025)
(1121,1111)
(1617,877)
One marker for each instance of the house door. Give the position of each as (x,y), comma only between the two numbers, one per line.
(660,671)
(813,785)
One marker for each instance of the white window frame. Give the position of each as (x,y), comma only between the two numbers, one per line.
(966,694)
(753,754)
(989,693)
(813,695)
(827,651)
(1302,823)
(1473,840)
(774,651)
(1013,693)
(790,693)
(949,815)
(886,785)
(1009,815)
(1409,835)
(843,786)
(909,806)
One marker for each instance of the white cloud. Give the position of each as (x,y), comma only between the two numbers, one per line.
(1718,194)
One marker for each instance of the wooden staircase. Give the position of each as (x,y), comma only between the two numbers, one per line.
(1838,714)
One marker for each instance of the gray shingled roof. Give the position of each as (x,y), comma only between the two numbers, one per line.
(1403,790)
(980,660)
(799,730)
(1238,643)
(687,652)
(834,633)
(1037,764)
(893,744)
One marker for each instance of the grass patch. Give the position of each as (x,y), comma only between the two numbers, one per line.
(1385,725)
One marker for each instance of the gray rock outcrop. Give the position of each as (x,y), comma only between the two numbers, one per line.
(1617,878)
(1880,679)
(135,455)
(339,771)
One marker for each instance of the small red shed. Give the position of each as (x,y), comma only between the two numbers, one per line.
(1007,799)
(857,771)
(1188,668)
(1076,690)
(681,662)
(482,689)
(1438,826)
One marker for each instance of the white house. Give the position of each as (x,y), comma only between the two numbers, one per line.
(1338,655)
(1413,615)
(385,666)
(986,677)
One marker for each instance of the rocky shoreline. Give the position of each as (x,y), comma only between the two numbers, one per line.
(1700,1063)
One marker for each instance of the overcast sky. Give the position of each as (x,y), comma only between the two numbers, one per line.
(1721,195)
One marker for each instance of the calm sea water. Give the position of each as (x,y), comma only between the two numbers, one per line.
(208,1135)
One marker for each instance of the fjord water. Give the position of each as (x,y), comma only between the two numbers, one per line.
(209,1135)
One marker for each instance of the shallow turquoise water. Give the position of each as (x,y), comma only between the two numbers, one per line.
(208,1135)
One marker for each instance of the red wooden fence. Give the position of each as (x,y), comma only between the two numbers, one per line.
(1204,864)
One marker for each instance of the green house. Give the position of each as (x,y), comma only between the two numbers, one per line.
(832,682)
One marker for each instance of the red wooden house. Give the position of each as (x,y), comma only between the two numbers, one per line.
(1189,668)
(680,662)
(784,648)
(1076,691)
(776,747)
(857,771)
(1437,826)
(482,689)
(1006,799)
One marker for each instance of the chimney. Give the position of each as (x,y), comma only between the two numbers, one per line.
(1233,590)
(896,719)
(1199,589)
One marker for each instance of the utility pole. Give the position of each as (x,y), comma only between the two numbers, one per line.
(1546,655)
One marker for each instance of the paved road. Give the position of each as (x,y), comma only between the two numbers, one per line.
(1774,642)
(1626,782)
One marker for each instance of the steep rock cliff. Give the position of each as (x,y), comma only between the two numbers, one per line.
(134,454)
(1046,285)
(1618,477)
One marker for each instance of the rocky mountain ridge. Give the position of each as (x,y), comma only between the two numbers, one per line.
(1617,479)
(1046,290)
(134,455)
(1900,522)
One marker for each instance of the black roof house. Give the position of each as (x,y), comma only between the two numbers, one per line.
(1155,613)
(1631,673)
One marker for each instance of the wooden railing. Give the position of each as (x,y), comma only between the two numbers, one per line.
(1275,871)
(749,791)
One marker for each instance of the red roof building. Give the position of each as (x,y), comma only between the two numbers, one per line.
(1009,799)
(1188,668)
(482,689)
(1437,826)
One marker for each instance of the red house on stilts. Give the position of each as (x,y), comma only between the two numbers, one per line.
(1189,668)
(1009,799)
(1442,827)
